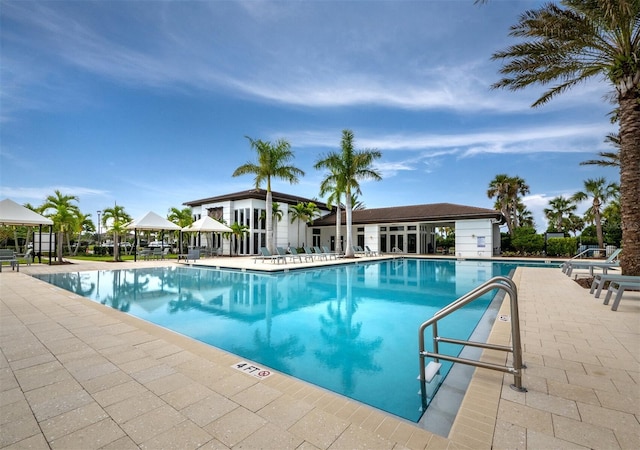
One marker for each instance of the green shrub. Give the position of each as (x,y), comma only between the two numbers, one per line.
(526,241)
(562,246)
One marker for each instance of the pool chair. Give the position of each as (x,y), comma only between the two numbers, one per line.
(358,251)
(307,257)
(371,252)
(600,279)
(617,288)
(610,263)
(282,252)
(331,254)
(314,255)
(265,254)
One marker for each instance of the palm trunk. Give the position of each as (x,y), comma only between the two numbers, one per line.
(269,210)
(630,180)
(349,250)
(338,246)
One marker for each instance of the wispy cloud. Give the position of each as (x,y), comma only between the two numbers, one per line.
(39,194)
(206,60)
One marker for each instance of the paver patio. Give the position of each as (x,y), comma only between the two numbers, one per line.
(77,374)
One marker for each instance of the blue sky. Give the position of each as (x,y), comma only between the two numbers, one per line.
(147,104)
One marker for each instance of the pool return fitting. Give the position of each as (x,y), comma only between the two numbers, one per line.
(427,373)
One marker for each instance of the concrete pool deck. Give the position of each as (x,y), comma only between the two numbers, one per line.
(77,374)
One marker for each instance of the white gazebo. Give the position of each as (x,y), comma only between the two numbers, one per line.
(207,224)
(11,213)
(150,222)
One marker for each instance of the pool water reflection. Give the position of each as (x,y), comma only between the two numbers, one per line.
(349,328)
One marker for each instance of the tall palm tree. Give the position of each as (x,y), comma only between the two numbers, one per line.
(330,185)
(571,43)
(119,219)
(559,209)
(346,170)
(61,209)
(609,159)
(507,191)
(272,162)
(600,192)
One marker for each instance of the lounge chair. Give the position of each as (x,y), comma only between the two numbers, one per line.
(610,262)
(282,252)
(266,255)
(314,255)
(618,288)
(600,279)
(371,252)
(358,251)
(327,255)
(307,257)
(331,254)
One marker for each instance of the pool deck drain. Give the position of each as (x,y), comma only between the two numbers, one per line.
(77,374)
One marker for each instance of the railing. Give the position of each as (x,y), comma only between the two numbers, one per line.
(503,283)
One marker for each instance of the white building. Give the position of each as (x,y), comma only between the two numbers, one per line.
(248,208)
(412,229)
(406,229)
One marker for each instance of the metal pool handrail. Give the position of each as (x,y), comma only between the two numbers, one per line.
(500,282)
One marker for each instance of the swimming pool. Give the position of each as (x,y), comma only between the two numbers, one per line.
(350,328)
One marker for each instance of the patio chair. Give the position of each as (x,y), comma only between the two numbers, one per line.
(371,252)
(267,255)
(9,256)
(618,288)
(282,252)
(600,279)
(331,254)
(358,251)
(320,253)
(314,255)
(610,262)
(27,256)
(307,257)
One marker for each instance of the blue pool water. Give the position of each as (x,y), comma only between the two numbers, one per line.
(352,329)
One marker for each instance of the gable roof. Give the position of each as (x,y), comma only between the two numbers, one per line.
(259,194)
(152,221)
(414,213)
(12,213)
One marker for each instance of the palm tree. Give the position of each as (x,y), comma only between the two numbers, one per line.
(64,215)
(119,219)
(181,217)
(330,186)
(346,170)
(238,230)
(305,213)
(507,191)
(609,159)
(574,42)
(83,224)
(560,208)
(272,163)
(601,193)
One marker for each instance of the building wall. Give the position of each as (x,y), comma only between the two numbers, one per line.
(475,238)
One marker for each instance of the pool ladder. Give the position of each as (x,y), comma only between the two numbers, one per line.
(427,373)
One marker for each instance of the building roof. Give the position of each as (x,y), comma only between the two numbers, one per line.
(260,194)
(414,213)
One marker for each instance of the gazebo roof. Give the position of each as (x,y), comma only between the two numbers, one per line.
(12,213)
